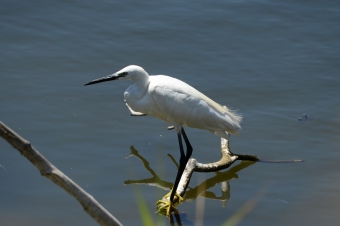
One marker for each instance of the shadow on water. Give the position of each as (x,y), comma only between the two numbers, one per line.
(191,193)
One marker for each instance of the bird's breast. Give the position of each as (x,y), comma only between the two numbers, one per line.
(143,104)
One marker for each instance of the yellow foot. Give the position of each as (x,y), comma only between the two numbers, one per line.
(180,199)
(165,206)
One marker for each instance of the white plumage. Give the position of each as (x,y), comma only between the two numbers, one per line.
(177,103)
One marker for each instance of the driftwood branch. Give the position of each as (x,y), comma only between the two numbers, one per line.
(90,205)
(191,194)
(226,160)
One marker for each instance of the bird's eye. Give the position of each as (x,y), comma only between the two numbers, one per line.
(123,74)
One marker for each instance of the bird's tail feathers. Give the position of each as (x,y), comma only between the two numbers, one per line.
(233,114)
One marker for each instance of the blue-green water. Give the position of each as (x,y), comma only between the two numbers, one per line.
(274,61)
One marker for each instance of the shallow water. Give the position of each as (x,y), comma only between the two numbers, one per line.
(273,61)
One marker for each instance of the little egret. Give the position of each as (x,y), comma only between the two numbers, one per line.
(177,103)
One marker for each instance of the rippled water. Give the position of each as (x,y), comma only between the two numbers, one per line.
(273,61)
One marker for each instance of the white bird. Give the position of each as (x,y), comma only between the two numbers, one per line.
(177,103)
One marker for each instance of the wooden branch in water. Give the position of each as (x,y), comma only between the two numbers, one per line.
(226,160)
(90,205)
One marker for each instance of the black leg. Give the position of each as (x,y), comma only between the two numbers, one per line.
(187,143)
(182,161)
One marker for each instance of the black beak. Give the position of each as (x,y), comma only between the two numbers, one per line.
(103,79)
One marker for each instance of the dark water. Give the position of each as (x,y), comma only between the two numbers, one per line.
(274,61)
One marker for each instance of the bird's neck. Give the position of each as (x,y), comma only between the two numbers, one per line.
(141,85)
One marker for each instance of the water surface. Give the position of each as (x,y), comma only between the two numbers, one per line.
(273,61)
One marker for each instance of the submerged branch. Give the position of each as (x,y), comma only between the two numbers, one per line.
(226,160)
(47,169)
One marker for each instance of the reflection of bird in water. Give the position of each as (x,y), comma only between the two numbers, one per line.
(177,103)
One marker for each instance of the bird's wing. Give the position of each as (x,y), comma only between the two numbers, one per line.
(180,103)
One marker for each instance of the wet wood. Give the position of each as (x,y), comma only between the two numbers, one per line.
(47,169)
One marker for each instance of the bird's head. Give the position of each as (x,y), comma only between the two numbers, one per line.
(131,72)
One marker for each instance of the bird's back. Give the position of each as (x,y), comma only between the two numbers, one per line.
(180,104)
